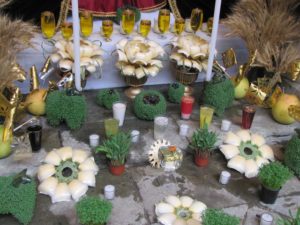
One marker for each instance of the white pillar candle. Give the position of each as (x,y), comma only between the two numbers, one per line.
(183,129)
(119,109)
(135,135)
(213,40)
(224,177)
(266,219)
(76,40)
(94,140)
(225,125)
(109,192)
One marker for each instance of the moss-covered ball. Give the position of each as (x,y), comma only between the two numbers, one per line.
(149,104)
(219,94)
(292,155)
(107,97)
(175,92)
(71,109)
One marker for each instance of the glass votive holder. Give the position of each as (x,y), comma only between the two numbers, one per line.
(187,107)
(225,125)
(206,115)
(34,131)
(224,177)
(183,130)
(111,127)
(119,109)
(109,192)
(94,140)
(160,126)
(266,219)
(248,115)
(135,136)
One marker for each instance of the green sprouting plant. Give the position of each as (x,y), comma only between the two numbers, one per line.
(203,141)
(107,97)
(274,175)
(218,217)
(117,148)
(93,210)
(291,221)
(175,92)
(292,155)
(149,104)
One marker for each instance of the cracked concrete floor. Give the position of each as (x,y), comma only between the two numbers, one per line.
(141,187)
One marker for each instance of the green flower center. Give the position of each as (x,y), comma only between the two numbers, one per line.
(249,150)
(67,171)
(183,213)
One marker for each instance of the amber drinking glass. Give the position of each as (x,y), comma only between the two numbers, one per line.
(179,26)
(163,21)
(67,30)
(145,27)
(128,19)
(196,19)
(48,24)
(107,29)
(86,23)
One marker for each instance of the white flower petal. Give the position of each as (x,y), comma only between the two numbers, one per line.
(52,158)
(77,189)
(257,139)
(87,177)
(244,135)
(198,207)
(197,216)
(237,163)
(267,152)
(179,221)
(61,194)
(173,200)
(251,168)
(89,165)
(45,171)
(162,208)
(232,139)
(167,219)
(229,151)
(121,44)
(260,161)
(186,201)
(139,72)
(65,153)
(80,156)
(153,70)
(48,186)
(122,56)
(192,222)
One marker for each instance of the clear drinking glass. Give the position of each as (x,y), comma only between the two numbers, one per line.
(196,19)
(128,20)
(111,127)
(179,26)
(206,115)
(107,29)
(248,115)
(145,27)
(86,23)
(67,30)
(163,21)
(209,24)
(48,24)
(34,131)
(160,126)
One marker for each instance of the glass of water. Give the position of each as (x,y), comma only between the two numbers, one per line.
(160,126)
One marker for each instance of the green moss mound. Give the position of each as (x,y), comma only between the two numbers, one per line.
(107,98)
(218,217)
(292,155)
(175,92)
(19,201)
(149,104)
(93,211)
(71,109)
(219,93)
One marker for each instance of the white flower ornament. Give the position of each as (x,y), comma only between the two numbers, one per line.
(246,152)
(66,174)
(179,211)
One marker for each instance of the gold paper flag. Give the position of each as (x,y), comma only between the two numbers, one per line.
(34,80)
(295,70)
(256,95)
(46,65)
(229,58)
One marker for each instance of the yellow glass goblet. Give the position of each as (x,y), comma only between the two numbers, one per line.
(107,29)
(163,21)
(86,23)
(67,30)
(196,19)
(145,27)
(128,20)
(179,26)
(48,24)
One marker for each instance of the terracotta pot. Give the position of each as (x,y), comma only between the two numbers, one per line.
(201,160)
(116,170)
(268,196)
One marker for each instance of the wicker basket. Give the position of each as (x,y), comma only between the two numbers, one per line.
(185,76)
(135,82)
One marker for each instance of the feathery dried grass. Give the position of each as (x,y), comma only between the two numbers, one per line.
(270,27)
(14,37)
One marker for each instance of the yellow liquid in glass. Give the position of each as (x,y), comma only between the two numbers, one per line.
(163,22)
(179,26)
(107,29)
(67,30)
(86,24)
(48,24)
(210,24)
(128,20)
(196,19)
(145,27)
(206,115)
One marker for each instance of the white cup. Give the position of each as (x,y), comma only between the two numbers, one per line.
(94,140)
(224,177)
(160,126)
(183,130)
(266,219)
(119,109)
(109,192)
(135,135)
(225,125)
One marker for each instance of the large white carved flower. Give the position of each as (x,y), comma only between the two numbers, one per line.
(66,174)
(190,51)
(179,211)
(246,152)
(139,57)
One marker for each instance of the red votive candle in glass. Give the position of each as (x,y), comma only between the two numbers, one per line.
(186,107)
(248,115)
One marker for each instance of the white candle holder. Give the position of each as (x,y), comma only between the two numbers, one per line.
(135,136)
(224,177)
(266,219)
(109,192)
(94,140)
(225,125)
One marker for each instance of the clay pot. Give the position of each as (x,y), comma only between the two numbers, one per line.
(116,170)
(201,160)
(268,196)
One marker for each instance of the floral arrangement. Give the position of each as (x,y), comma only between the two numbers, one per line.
(90,56)
(139,57)
(190,52)
(180,210)
(246,152)
(67,173)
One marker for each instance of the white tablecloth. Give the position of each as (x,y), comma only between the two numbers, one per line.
(110,74)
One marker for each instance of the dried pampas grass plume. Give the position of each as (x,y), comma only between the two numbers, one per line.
(14,37)
(270,27)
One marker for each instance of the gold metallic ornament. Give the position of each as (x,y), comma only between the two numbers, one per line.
(294,111)
(34,80)
(20,73)
(229,58)
(46,66)
(247,66)
(256,95)
(295,70)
